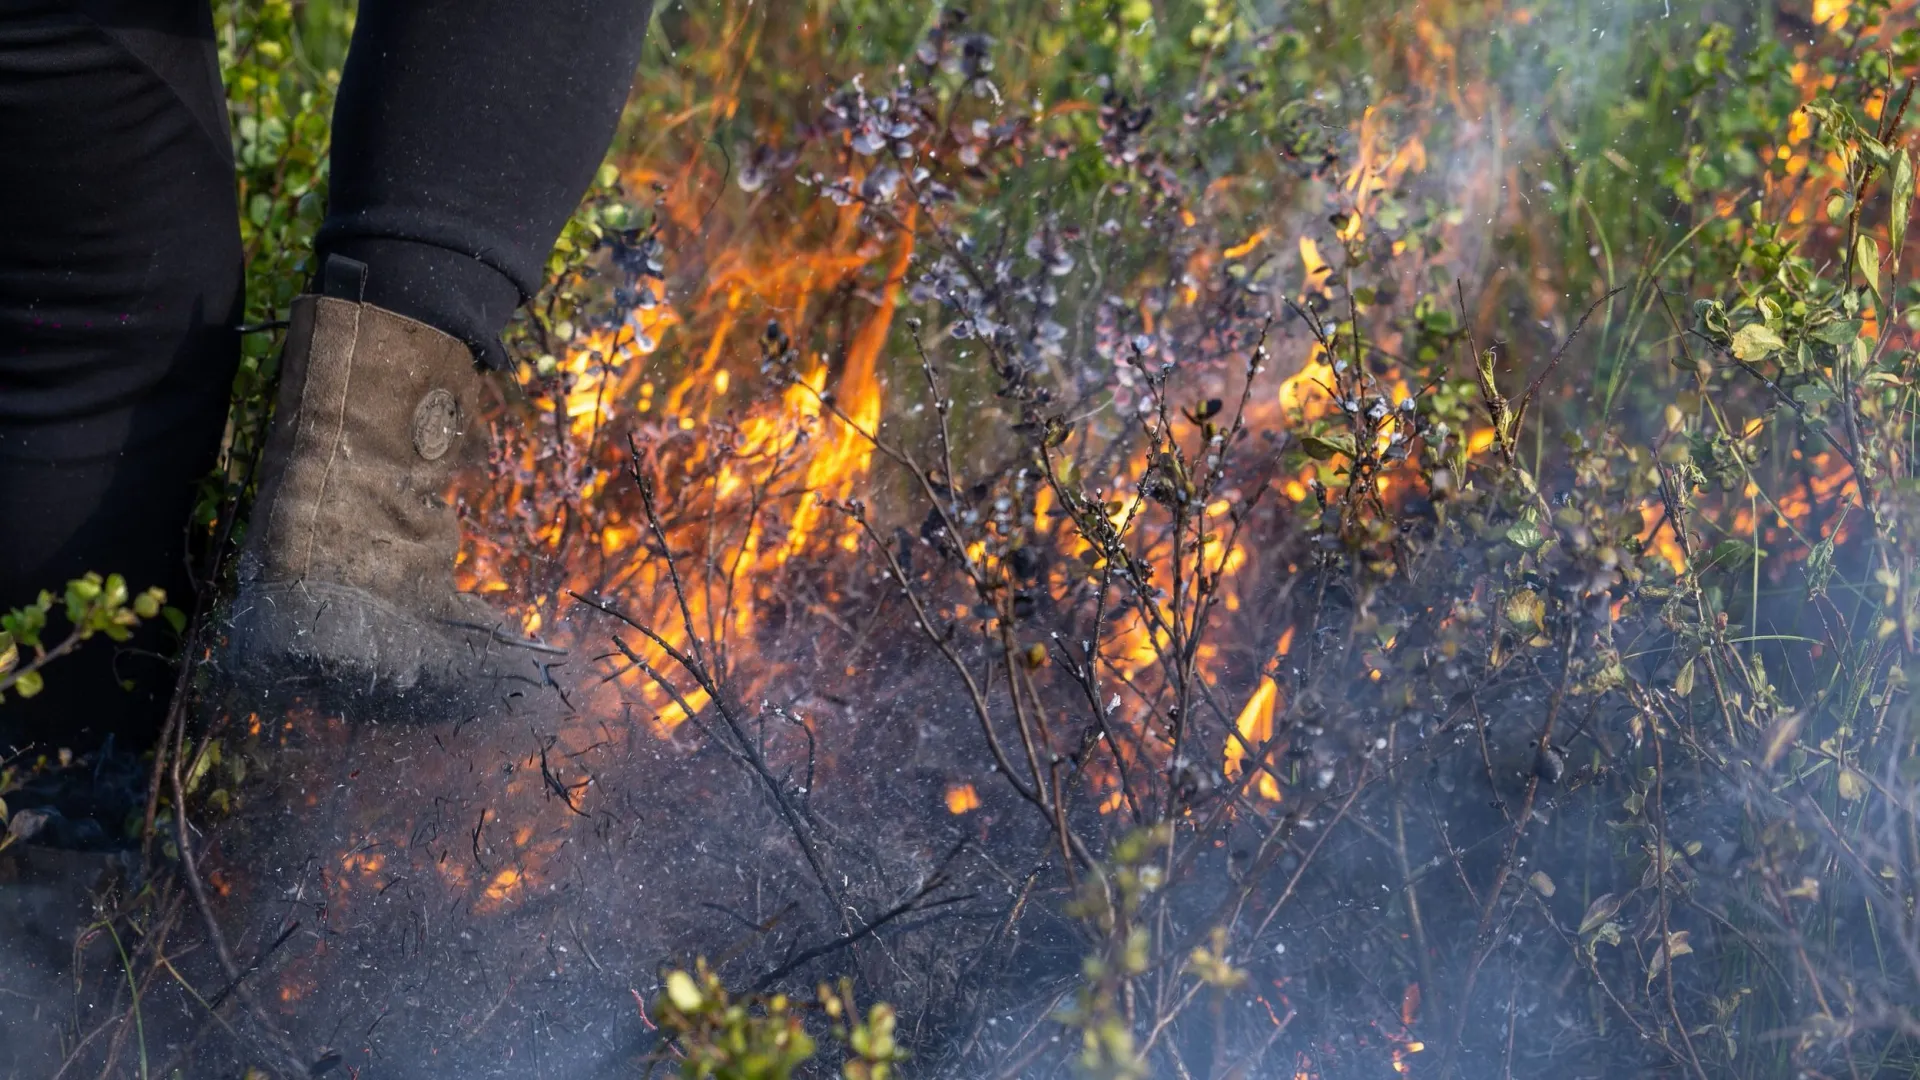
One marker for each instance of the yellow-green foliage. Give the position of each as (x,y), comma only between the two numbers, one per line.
(92,605)
(719,1037)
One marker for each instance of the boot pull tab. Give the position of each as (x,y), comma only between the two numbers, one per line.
(342,278)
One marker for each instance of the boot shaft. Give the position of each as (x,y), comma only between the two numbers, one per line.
(375,414)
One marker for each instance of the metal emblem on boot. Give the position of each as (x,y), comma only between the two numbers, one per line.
(346,580)
(436,423)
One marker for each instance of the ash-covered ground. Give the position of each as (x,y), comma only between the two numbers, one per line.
(497,895)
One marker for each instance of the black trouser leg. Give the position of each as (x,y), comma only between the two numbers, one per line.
(463,137)
(464,134)
(120,282)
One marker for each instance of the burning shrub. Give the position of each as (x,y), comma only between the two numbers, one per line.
(1363,632)
(1157,559)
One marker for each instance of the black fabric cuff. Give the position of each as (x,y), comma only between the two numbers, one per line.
(453,293)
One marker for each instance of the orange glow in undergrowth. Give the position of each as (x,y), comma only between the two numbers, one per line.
(962,799)
(614,375)
(611,376)
(1657,534)
(1815,497)
(1404,1044)
(1255,725)
(1381,168)
(834,469)
(503,884)
(680,373)
(1315,273)
(1305,391)
(1245,248)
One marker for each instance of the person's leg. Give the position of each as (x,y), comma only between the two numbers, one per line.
(120,282)
(464,135)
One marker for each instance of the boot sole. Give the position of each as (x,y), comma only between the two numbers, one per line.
(336,646)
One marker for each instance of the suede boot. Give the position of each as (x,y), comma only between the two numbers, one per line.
(346,579)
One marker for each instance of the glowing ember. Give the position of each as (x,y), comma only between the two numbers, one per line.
(962,799)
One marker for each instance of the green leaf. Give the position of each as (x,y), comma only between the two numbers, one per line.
(1609,933)
(1603,908)
(1713,319)
(1756,341)
(26,623)
(1902,206)
(1526,610)
(1866,252)
(82,590)
(1852,785)
(1673,948)
(9,653)
(1320,448)
(1728,554)
(29,684)
(1812,395)
(683,992)
(1838,332)
(1819,565)
(1525,534)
